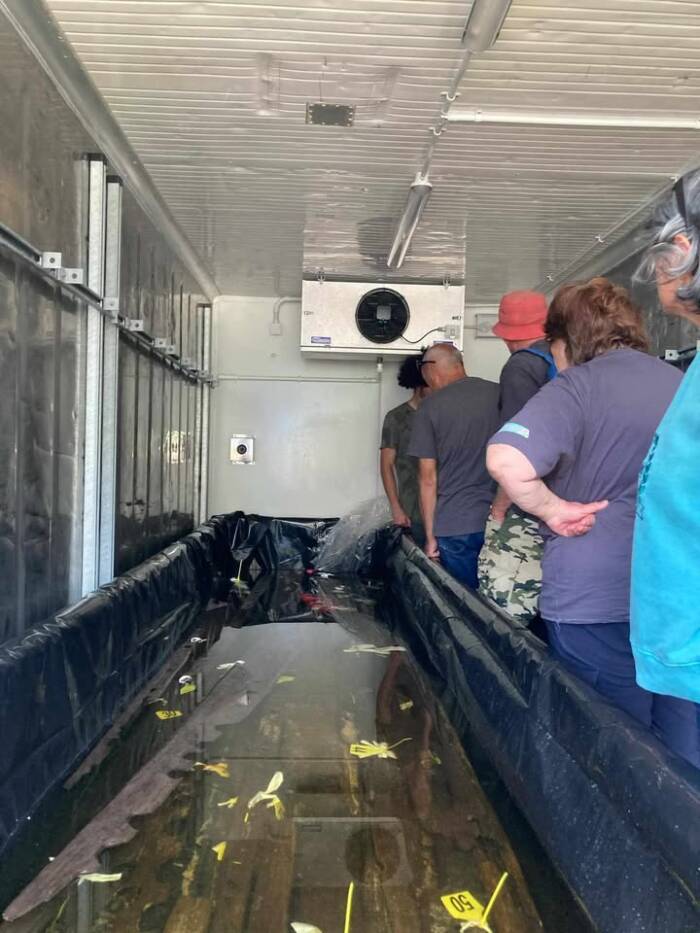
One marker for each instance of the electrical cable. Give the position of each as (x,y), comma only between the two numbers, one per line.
(427,333)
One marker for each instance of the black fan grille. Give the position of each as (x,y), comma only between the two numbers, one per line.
(382,316)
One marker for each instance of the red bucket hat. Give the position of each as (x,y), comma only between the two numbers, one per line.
(521,316)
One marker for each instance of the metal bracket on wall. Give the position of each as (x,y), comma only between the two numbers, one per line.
(53,263)
(111,308)
(134,325)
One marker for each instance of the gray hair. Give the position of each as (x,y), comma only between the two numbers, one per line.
(668,223)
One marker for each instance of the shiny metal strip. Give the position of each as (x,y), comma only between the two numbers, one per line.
(93,389)
(110,376)
(206,400)
(91,482)
(97,220)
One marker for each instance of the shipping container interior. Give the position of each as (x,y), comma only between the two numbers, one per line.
(184,184)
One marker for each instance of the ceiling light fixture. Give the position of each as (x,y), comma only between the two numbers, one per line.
(485,22)
(418,195)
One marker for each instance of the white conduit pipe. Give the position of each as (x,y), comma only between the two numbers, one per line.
(592,120)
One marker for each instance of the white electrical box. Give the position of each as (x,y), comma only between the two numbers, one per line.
(242,450)
(362,319)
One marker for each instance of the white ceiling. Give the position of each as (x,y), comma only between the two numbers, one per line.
(212,96)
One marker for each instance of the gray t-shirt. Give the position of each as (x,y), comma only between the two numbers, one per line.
(586,434)
(453,426)
(396,435)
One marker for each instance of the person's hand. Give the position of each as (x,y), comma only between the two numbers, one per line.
(499,507)
(431,549)
(498,512)
(399,517)
(571,519)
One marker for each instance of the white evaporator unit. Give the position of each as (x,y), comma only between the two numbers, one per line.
(361,319)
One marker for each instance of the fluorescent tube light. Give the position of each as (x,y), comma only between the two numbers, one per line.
(415,204)
(485,22)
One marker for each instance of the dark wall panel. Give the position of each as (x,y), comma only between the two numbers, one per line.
(41,422)
(155,482)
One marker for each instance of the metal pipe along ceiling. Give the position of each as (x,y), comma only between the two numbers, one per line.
(584,120)
(40,32)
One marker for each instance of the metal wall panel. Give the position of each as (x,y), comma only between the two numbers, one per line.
(126,455)
(40,156)
(45,199)
(41,382)
(9,424)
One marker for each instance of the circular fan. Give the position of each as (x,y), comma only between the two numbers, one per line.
(382,315)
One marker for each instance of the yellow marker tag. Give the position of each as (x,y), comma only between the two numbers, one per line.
(187,688)
(220,850)
(463,906)
(230,803)
(220,767)
(285,679)
(168,713)
(407,704)
(366,749)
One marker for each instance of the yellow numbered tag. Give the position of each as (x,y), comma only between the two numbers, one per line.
(220,850)
(187,688)
(463,906)
(168,713)
(286,679)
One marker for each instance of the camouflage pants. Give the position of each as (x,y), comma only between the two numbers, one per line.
(510,571)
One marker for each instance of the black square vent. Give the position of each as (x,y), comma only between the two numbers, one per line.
(330,114)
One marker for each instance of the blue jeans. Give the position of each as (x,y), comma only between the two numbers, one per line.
(459,555)
(601,655)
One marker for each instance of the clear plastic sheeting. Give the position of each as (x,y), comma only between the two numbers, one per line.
(42,369)
(347,546)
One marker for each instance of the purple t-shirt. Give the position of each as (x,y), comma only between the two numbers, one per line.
(586,434)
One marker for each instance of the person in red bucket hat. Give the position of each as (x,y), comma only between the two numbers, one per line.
(509,564)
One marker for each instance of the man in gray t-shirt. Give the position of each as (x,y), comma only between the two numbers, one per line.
(450,433)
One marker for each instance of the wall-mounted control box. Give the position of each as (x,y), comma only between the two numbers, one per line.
(242,450)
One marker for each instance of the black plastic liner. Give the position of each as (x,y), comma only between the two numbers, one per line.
(617,813)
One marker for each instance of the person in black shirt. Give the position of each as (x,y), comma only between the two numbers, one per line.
(509,566)
(399,471)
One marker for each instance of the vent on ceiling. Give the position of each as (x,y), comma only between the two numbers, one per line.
(330,114)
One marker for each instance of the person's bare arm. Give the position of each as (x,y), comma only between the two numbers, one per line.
(520,482)
(387,463)
(427,478)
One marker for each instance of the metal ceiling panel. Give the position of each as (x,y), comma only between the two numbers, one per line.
(213,97)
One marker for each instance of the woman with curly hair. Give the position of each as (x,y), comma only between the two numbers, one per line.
(583,439)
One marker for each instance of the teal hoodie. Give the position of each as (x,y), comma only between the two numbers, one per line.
(665,606)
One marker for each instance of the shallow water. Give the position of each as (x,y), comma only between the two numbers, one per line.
(187,851)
